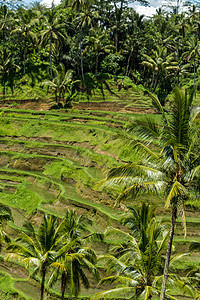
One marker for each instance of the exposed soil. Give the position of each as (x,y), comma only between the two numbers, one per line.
(41,105)
(15,270)
(49,150)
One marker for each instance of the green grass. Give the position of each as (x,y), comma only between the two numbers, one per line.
(8,291)
(78,153)
(30,200)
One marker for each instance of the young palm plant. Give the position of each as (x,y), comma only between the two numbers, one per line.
(61,82)
(174,171)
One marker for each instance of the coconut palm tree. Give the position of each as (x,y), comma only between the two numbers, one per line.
(24,26)
(6,22)
(78,6)
(61,82)
(100,44)
(37,247)
(138,219)
(160,62)
(192,53)
(137,263)
(174,171)
(53,32)
(73,263)
(74,260)
(7,69)
(88,18)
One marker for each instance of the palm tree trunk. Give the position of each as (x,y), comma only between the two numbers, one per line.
(4,83)
(63,285)
(128,63)
(24,69)
(50,59)
(59,97)
(96,66)
(116,39)
(169,250)
(42,283)
(80,46)
(56,95)
(152,80)
(156,82)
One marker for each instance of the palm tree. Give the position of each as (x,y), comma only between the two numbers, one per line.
(74,262)
(192,53)
(6,22)
(77,6)
(159,62)
(88,18)
(61,82)
(137,263)
(74,259)
(53,32)
(100,43)
(7,68)
(174,171)
(138,219)
(24,29)
(37,248)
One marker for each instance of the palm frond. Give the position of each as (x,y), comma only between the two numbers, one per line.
(177,189)
(119,280)
(147,129)
(194,246)
(177,257)
(187,289)
(124,292)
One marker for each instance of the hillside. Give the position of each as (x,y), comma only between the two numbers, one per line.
(51,160)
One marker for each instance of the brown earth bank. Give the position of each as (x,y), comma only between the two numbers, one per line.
(43,105)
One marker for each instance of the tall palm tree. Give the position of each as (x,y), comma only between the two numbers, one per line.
(53,32)
(77,6)
(193,53)
(24,26)
(7,69)
(88,17)
(37,248)
(174,171)
(6,22)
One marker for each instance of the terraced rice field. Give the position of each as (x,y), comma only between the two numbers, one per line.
(51,161)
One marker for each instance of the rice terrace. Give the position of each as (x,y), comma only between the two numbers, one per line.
(99,151)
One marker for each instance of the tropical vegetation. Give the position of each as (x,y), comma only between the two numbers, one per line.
(99,151)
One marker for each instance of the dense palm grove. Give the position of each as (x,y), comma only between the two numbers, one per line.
(94,40)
